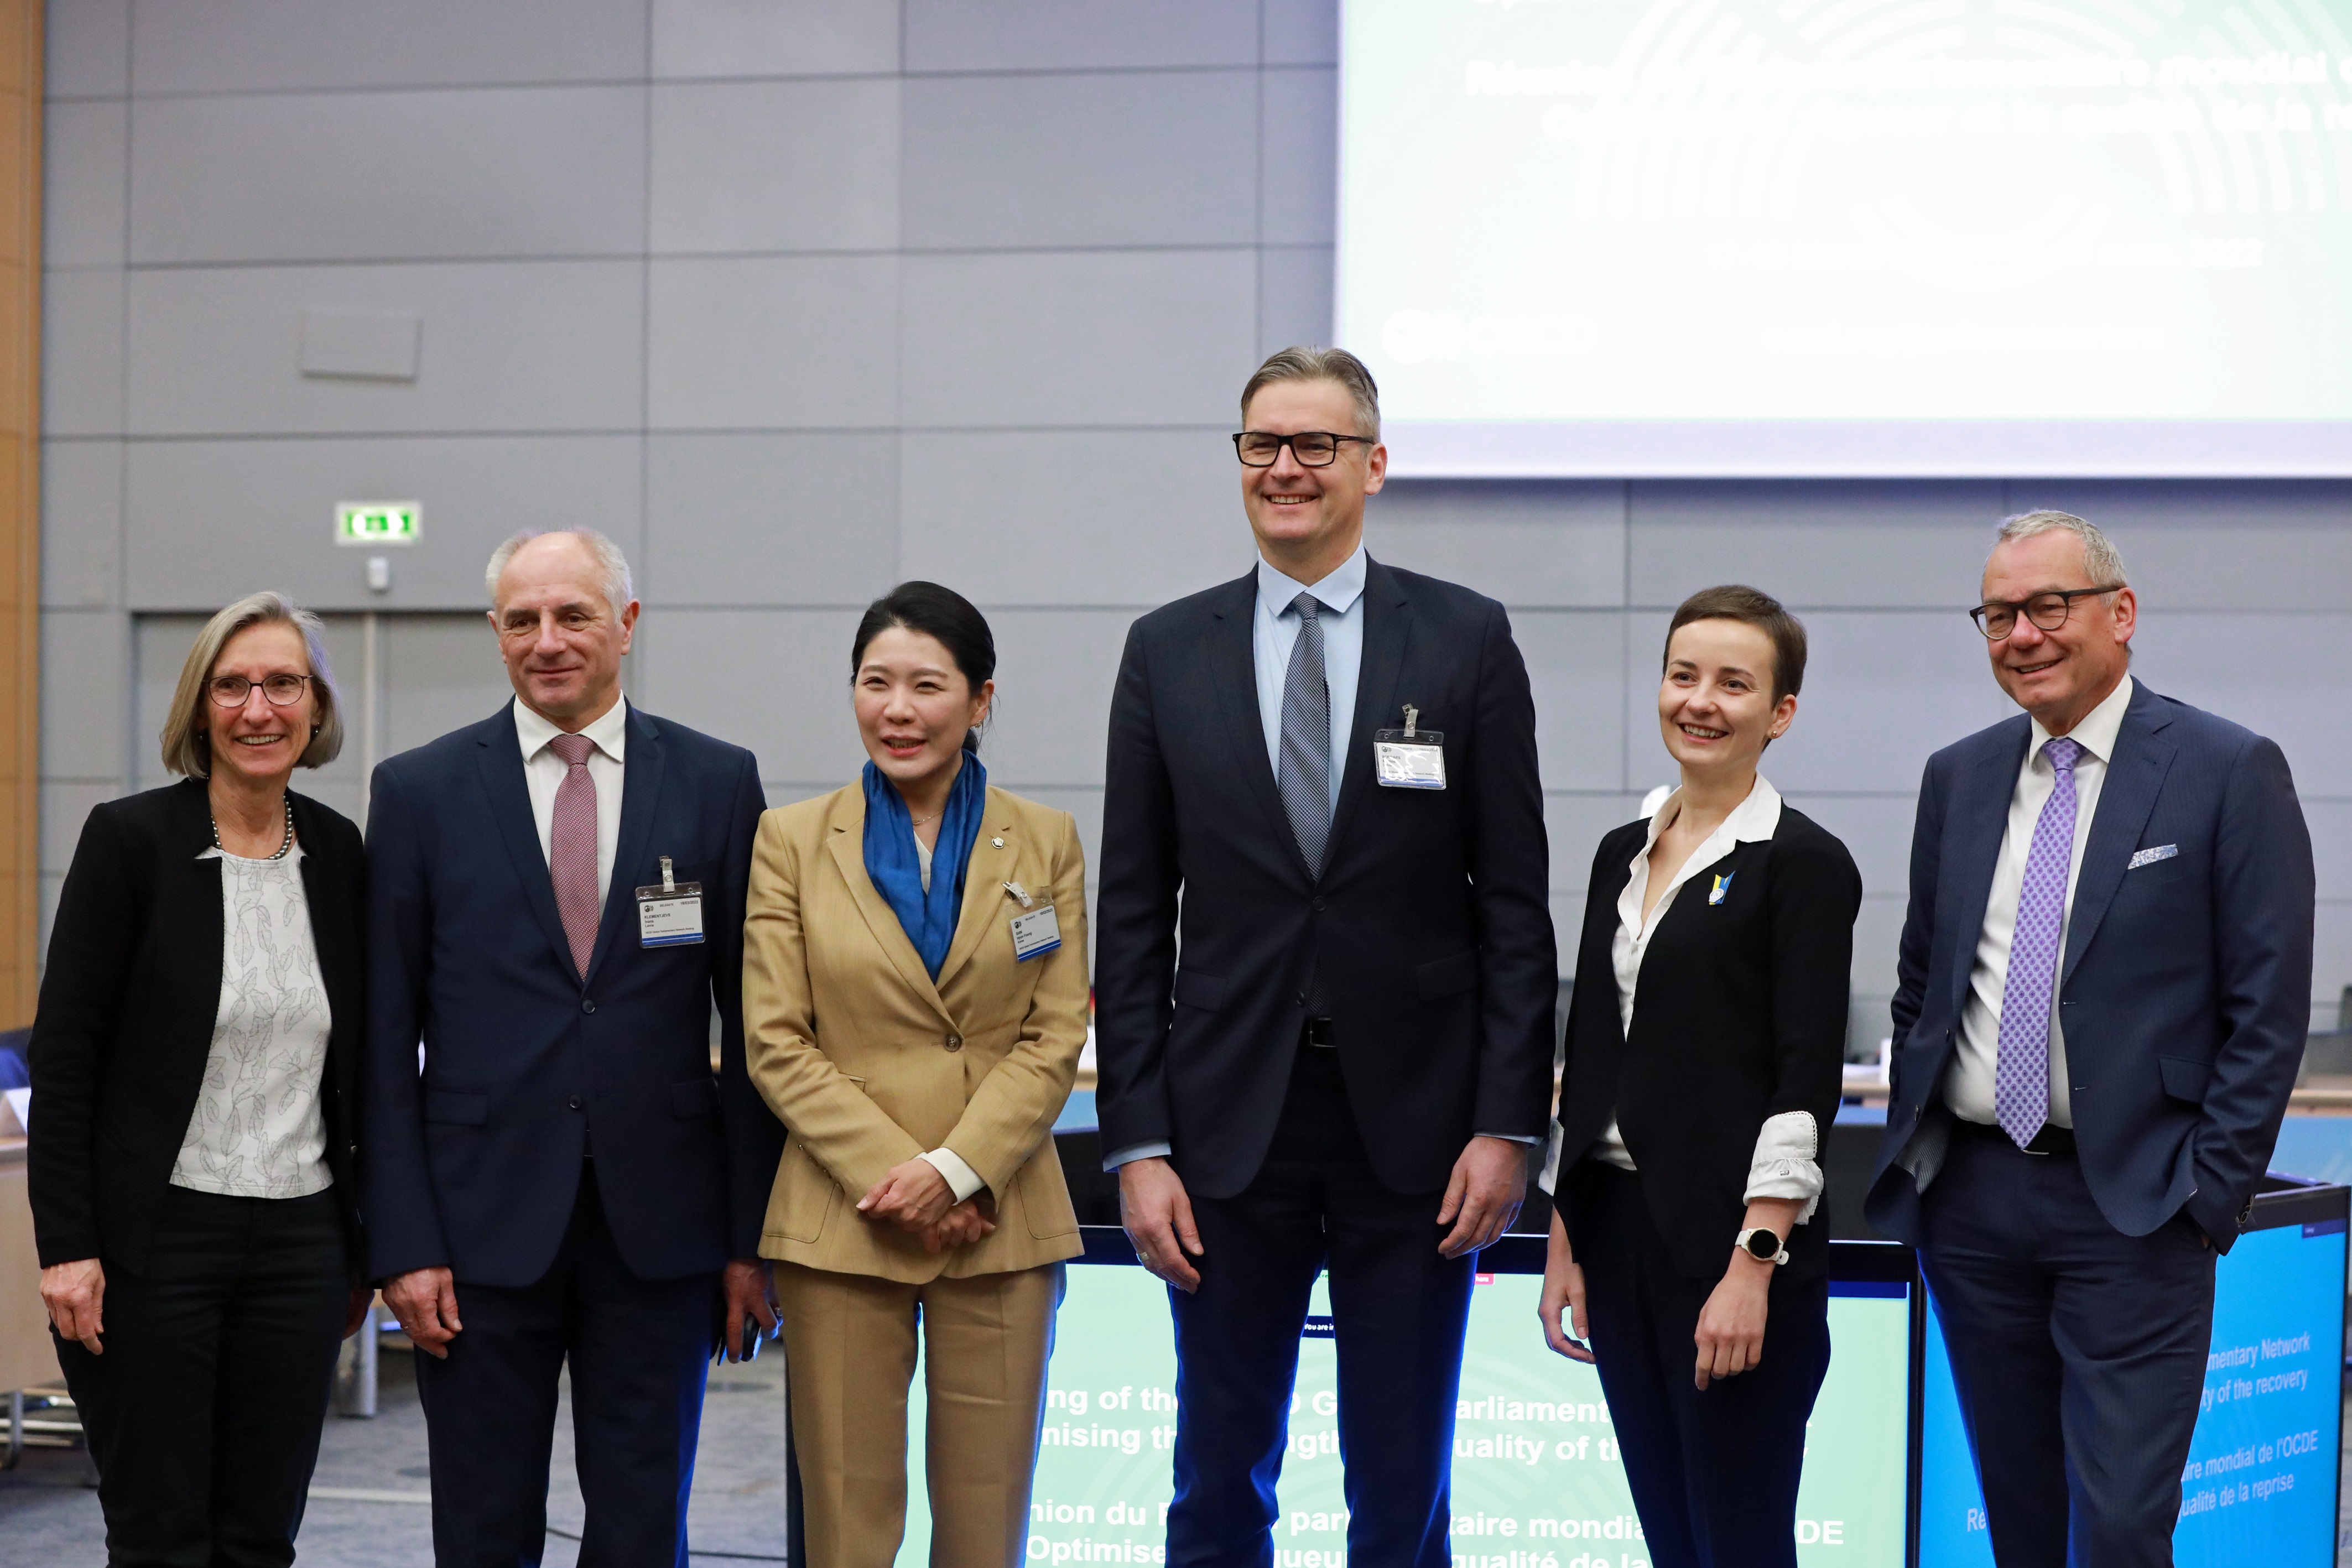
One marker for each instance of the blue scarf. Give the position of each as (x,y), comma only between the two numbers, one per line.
(929,918)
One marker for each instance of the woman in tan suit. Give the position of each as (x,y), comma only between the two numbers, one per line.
(915,1000)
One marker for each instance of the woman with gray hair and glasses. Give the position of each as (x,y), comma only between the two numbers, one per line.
(193,1122)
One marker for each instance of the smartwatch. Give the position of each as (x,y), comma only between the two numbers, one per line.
(1761,1243)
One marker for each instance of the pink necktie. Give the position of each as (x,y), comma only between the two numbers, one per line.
(572,848)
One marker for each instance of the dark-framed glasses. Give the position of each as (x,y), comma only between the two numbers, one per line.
(1313,448)
(1997,618)
(282,690)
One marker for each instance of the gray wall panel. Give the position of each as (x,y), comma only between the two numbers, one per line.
(773,37)
(442,672)
(1012,35)
(276,501)
(1575,825)
(1809,545)
(1294,298)
(2231,665)
(774,680)
(1300,32)
(767,165)
(533,172)
(1877,829)
(784,520)
(1298,165)
(1019,517)
(87,45)
(85,156)
(81,353)
(81,500)
(202,46)
(1055,671)
(64,809)
(86,713)
(1058,338)
(507,346)
(2254,547)
(2330,821)
(1082,160)
(1576,666)
(1527,544)
(773,343)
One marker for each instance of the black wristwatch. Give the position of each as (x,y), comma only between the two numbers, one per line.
(1763,1244)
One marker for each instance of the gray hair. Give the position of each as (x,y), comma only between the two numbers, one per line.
(1305,364)
(188,737)
(619,589)
(2100,556)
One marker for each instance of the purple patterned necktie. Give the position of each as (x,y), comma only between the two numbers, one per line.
(572,848)
(2021,1085)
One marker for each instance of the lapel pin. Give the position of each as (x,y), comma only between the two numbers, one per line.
(998,840)
(1722,886)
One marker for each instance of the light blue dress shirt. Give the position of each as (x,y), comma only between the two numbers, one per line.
(1274,633)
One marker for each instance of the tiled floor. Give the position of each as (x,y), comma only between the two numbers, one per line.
(49,1517)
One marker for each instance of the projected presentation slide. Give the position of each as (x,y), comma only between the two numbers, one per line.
(2260,1486)
(1537,1482)
(1859,236)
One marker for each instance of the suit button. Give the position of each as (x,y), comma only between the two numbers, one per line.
(575,1102)
(587,1006)
(955,1042)
(1299,997)
(1318,906)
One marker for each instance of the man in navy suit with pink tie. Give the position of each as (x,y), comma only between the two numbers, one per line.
(2104,983)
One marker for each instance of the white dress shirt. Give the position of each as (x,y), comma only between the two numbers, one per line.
(1787,1160)
(258,1129)
(1274,633)
(1969,1085)
(543,772)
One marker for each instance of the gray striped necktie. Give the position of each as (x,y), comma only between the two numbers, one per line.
(1304,775)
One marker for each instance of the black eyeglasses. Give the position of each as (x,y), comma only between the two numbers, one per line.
(1313,448)
(282,690)
(1997,618)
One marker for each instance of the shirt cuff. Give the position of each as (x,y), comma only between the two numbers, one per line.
(1134,1151)
(1550,1179)
(962,1180)
(1788,1161)
(1514,1137)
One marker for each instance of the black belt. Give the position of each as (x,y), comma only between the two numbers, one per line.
(1318,1031)
(2051,1140)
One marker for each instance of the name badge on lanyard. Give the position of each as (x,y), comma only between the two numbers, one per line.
(1409,759)
(670,914)
(1037,930)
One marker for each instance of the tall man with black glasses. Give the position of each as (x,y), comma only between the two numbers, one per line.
(2105,982)
(1322,780)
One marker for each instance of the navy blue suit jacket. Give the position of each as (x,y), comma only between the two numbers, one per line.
(2184,990)
(1431,924)
(475,1165)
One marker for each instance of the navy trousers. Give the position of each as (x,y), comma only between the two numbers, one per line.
(638,1349)
(203,1414)
(2078,1352)
(1714,1473)
(1399,1311)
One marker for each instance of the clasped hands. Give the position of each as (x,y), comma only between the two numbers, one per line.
(914,1197)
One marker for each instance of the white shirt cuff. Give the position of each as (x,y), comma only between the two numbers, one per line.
(1788,1161)
(1550,1179)
(961,1178)
(1134,1151)
(1513,1138)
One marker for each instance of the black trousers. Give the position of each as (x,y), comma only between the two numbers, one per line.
(639,1350)
(203,1414)
(2078,1353)
(1714,1474)
(1399,1311)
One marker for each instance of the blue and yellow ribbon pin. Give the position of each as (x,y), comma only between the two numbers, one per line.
(1722,886)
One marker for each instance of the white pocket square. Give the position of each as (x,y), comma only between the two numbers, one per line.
(2149,857)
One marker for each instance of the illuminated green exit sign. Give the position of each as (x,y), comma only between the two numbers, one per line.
(377,522)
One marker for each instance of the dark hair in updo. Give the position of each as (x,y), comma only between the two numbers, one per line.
(942,614)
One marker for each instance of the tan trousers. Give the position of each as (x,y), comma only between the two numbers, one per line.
(850,1356)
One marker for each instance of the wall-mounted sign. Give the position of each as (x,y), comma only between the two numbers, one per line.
(377,522)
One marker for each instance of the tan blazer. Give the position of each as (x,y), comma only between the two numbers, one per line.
(868,1063)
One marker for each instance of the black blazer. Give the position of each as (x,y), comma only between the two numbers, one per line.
(128,1002)
(1430,924)
(1741,1015)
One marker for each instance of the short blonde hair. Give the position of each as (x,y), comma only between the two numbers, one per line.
(187,737)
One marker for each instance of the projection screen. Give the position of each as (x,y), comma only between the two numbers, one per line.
(1850,237)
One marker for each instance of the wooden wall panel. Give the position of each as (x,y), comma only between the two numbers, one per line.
(20,511)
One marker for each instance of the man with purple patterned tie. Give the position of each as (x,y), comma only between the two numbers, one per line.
(555,911)
(2105,982)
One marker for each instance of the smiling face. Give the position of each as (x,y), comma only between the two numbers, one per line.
(914,706)
(2058,677)
(1310,519)
(255,743)
(562,643)
(1715,707)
